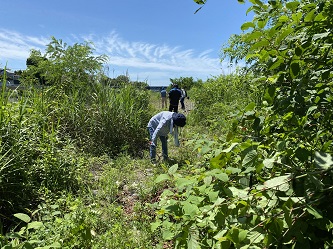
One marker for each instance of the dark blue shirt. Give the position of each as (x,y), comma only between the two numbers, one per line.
(174,95)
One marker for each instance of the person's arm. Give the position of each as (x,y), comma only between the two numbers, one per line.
(175,135)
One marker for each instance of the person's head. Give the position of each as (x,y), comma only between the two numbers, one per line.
(179,119)
(163,87)
(175,86)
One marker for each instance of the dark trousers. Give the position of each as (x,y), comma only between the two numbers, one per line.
(182,102)
(173,107)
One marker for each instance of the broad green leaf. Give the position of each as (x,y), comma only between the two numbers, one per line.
(297,17)
(298,51)
(323,160)
(205,149)
(238,192)
(303,154)
(237,235)
(262,23)
(190,209)
(314,212)
(222,177)
(182,182)
(283,34)
(309,16)
(213,195)
(230,147)
(319,17)
(269,163)
(193,238)
(167,234)
(269,95)
(283,18)
(252,36)
(294,69)
(217,173)
(250,107)
(260,44)
(23,217)
(319,185)
(279,183)
(292,5)
(276,226)
(311,108)
(244,182)
(162,178)
(250,159)
(172,170)
(276,63)
(247,25)
(35,225)
(155,225)
(255,237)
(232,170)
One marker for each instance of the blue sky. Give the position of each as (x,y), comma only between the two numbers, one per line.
(151,40)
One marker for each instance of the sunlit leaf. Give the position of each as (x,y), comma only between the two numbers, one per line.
(23,217)
(279,183)
(314,212)
(250,107)
(292,5)
(323,160)
(162,178)
(321,35)
(247,25)
(190,209)
(276,63)
(155,225)
(35,225)
(193,238)
(172,170)
(230,147)
(269,163)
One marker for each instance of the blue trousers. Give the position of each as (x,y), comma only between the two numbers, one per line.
(164,141)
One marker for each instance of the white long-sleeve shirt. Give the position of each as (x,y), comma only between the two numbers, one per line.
(162,124)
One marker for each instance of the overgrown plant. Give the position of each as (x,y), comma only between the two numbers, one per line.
(272,190)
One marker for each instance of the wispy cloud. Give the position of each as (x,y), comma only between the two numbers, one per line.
(155,63)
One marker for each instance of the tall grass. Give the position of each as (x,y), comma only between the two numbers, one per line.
(220,97)
(103,120)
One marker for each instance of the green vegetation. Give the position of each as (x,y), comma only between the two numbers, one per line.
(254,169)
(269,183)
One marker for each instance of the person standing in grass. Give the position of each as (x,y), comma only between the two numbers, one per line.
(160,125)
(174,96)
(164,97)
(182,98)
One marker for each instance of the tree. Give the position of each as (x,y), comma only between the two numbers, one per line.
(187,82)
(66,66)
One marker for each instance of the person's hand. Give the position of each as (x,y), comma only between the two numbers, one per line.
(151,143)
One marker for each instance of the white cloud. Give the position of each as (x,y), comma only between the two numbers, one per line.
(142,60)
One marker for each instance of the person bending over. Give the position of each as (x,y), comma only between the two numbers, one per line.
(160,125)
